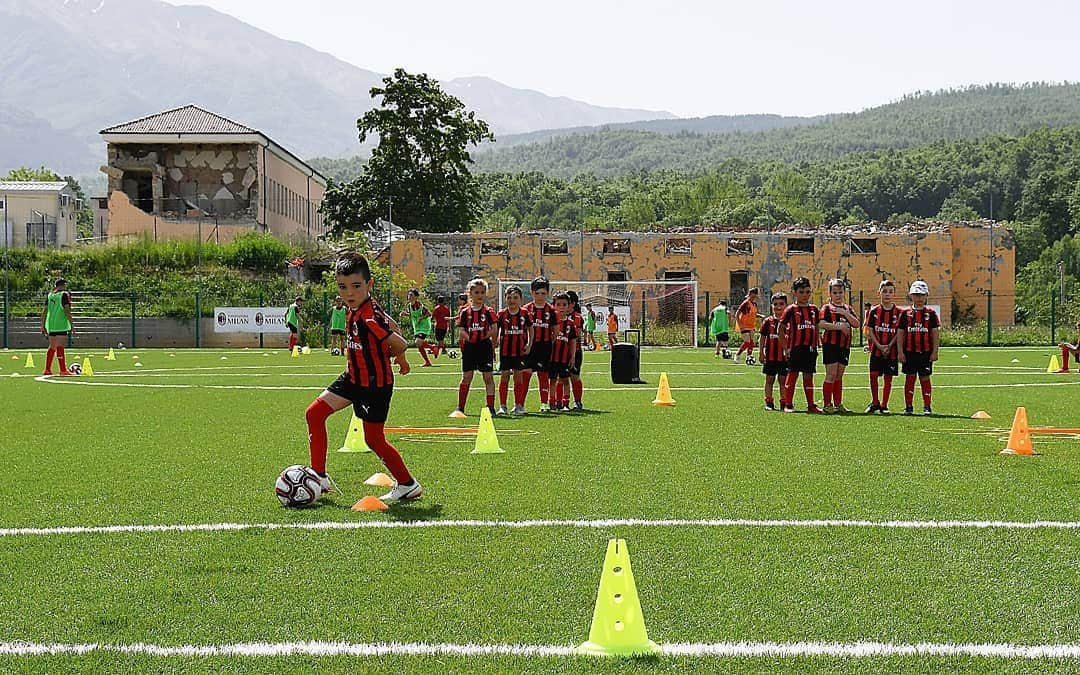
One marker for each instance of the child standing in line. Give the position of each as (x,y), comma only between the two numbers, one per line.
(292,320)
(773,363)
(882,321)
(575,370)
(337,325)
(564,345)
(57,324)
(476,328)
(542,314)
(515,342)
(918,335)
(838,319)
(799,340)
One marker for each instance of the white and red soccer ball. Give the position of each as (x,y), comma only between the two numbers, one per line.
(298,486)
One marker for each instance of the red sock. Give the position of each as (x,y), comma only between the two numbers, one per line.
(423,353)
(551,394)
(316,414)
(927,388)
(787,392)
(504,389)
(578,388)
(292,341)
(909,390)
(61,356)
(376,440)
(559,392)
(874,388)
(462,395)
(885,391)
(521,389)
(435,350)
(808,389)
(827,392)
(1064,358)
(490,400)
(545,386)
(49,358)
(838,392)
(526,380)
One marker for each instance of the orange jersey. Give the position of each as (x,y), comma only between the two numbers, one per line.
(612,323)
(746,316)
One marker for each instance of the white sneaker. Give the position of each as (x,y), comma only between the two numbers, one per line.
(328,485)
(520,410)
(403,492)
(501,410)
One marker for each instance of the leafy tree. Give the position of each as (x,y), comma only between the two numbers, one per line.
(421,164)
(24,173)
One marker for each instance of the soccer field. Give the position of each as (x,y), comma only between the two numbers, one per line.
(759,540)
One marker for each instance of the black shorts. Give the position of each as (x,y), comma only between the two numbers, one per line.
(370,405)
(884,366)
(335,331)
(292,328)
(57,333)
(803,359)
(514,363)
(918,363)
(440,334)
(538,357)
(774,368)
(721,337)
(559,371)
(420,336)
(478,356)
(832,354)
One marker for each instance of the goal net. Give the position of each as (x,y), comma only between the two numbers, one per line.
(665,312)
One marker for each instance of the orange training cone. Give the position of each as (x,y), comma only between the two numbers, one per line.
(663,392)
(1019,436)
(370,503)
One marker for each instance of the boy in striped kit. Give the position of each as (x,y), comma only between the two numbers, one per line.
(476,331)
(515,342)
(542,314)
(799,341)
(838,319)
(881,321)
(773,363)
(564,346)
(918,335)
(368,382)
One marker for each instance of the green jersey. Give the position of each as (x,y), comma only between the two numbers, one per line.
(719,321)
(421,323)
(290,315)
(56,320)
(337,318)
(590,322)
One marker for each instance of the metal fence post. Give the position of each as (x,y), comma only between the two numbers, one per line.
(262,305)
(643,318)
(989,319)
(7,304)
(1053,317)
(326,322)
(132,320)
(198,317)
(862,315)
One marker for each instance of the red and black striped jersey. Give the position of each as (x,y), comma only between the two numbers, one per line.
(543,318)
(770,339)
(476,322)
(564,341)
(831,313)
(513,332)
(579,322)
(801,322)
(917,325)
(366,346)
(882,324)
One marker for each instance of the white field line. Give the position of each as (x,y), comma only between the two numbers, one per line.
(678,649)
(529,524)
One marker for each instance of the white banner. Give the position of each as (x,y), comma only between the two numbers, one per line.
(250,320)
(622,314)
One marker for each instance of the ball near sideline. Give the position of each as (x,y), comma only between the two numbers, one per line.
(298,486)
(335,352)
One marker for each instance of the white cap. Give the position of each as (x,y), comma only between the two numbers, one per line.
(919,287)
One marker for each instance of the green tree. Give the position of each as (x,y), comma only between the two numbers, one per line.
(421,164)
(24,174)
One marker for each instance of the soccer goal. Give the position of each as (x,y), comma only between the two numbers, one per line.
(666,312)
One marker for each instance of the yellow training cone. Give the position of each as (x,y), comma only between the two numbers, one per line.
(29,360)
(980,415)
(354,440)
(1054,364)
(380,480)
(663,392)
(618,627)
(111,355)
(296,352)
(486,440)
(1019,436)
(87,369)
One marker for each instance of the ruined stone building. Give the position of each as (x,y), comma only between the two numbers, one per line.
(185,170)
(961,262)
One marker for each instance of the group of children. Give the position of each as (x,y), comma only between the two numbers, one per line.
(904,339)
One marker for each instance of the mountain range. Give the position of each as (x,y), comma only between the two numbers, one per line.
(70,68)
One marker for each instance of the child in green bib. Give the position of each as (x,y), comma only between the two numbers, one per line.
(56,324)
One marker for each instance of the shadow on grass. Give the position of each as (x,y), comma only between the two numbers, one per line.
(415,511)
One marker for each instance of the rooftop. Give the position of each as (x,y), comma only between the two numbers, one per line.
(31,186)
(190,119)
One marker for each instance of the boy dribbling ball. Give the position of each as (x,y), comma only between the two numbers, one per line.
(420,318)
(367,383)
(918,335)
(719,327)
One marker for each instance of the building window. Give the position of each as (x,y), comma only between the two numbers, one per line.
(679,246)
(63,201)
(554,247)
(617,246)
(740,247)
(494,246)
(862,245)
(678,276)
(800,245)
(3,204)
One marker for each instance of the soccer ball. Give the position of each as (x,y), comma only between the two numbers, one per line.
(452,354)
(726,353)
(750,360)
(75,369)
(335,352)
(120,345)
(298,486)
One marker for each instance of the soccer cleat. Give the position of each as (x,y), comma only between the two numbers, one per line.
(578,406)
(927,411)
(1061,370)
(47,372)
(328,485)
(883,410)
(501,410)
(520,410)
(814,410)
(828,410)
(770,406)
(787,408)
(840,409)
(403,492)
(909,411)
(872,408)
(458,414)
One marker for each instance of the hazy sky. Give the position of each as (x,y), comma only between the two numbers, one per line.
(694,57)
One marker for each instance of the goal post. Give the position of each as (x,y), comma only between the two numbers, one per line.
(666,312)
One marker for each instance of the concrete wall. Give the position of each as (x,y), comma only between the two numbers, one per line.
(951,259)
(127,221)
(149,333)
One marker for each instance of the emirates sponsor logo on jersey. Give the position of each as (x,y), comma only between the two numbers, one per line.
(514,330)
